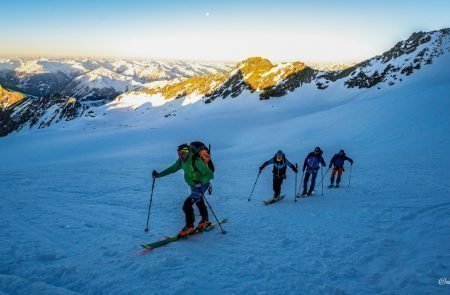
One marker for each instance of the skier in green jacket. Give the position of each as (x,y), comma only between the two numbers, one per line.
(197,175)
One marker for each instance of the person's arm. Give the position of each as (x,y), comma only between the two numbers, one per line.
(172,169)
(322,161)
(332,161)
(265,164)
(306,161)
(349,159)
(292,166)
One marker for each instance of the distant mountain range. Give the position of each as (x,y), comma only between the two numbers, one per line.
(54,90)
(94,79)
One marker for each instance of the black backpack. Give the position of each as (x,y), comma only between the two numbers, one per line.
(200,150)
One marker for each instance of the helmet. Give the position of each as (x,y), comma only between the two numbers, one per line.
(184,148)
(279,155)
(317,149)
(341,152)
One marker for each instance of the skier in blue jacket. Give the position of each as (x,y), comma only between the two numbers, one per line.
(280,164)
(338,162)
(312,165)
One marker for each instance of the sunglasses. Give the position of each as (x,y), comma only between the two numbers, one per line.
(181,152)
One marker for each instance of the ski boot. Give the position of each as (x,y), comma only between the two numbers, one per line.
(186,231)
(332,185)
(203,224)
(310,193)
(337,185)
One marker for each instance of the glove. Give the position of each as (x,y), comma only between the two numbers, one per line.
(197,184)
(155,174)
(351,163)
(261,169)
(295,169)
(329,167)
(303,169)
(210,189)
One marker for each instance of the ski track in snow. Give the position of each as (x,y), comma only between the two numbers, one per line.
(74,204)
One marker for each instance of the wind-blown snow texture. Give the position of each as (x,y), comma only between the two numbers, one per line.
(74,204)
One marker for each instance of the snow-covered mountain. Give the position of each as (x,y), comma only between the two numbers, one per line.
(100,84)
(255,76)
(266,80)
(44,76)
(325,67)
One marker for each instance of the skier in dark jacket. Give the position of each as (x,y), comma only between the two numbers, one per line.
(197,175)
(312,165)
(280,164)
(338,162)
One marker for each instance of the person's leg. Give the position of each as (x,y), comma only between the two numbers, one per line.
(198,196)
(333,175)
(203,210)
(280,182)
(189,211)
(313,181)
(339,175)
(277,186)
(305,182)
(274,185)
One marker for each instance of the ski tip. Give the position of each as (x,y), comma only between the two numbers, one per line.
(146,248)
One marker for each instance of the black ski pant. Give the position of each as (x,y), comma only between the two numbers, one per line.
(277,182)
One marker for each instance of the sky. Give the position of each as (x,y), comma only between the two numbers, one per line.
(281,30)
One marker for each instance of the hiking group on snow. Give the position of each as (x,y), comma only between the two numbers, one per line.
(195,161)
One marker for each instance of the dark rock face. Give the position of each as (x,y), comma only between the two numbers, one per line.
(101,96)
(233,87)
(289,84)
(36,84)
(40,112)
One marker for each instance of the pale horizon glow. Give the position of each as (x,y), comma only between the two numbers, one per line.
(206,31)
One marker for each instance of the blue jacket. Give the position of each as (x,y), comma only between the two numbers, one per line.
(338,161)
(313,161)
(279,167)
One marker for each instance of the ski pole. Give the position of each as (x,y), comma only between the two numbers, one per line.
(212,211)
(150,204)
(296,178)
(321,170)
(250,197)
(323,175)
(350,176)
(301,182)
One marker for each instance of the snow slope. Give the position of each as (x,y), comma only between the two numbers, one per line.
(74,204)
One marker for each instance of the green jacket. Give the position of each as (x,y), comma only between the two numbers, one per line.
(203,174)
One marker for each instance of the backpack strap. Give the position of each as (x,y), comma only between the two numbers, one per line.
(194,159)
